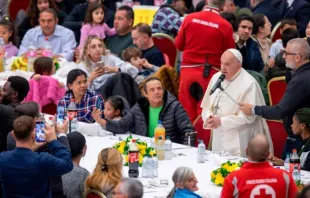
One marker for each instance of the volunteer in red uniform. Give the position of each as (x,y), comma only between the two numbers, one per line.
(203,38)
(257,178)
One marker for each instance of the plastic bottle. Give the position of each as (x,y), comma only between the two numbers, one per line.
(296,174)
(71,112)
(50,121)
(47,49)
(294,161)
(159,149)
(287,162)
(201,152)
(32,54)
(2,55)
(133,159)
(153,142)
(144,166)
(150,167)
(128,3)
(168,147)
(155,165)
(159,132)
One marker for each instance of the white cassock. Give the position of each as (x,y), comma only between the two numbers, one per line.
(236,128)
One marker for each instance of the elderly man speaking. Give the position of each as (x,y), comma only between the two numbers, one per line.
(231,129)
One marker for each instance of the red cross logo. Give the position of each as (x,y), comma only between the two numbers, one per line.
(263,194)
(263,191)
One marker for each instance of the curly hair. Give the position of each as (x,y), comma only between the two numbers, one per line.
(85,57)
(33,11)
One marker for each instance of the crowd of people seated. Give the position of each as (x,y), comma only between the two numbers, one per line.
(114,81)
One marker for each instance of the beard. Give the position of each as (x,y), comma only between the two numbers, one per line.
(5,100)
(291,66)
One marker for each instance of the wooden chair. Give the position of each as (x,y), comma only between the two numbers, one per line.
(276,88)
(165,44)
(202,134)
(278,136)
(92,193)
(275,33)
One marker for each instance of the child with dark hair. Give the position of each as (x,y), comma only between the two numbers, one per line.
(94,23)
(113,108)
(7,34)
(133,56)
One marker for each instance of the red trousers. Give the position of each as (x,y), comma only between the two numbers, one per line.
(187,77)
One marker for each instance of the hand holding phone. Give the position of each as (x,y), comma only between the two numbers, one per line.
(101,64)
(39,130)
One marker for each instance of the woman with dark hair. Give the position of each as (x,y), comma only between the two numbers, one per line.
(73,182)
(300,126)
(84,99)
(34,8)
(261,31)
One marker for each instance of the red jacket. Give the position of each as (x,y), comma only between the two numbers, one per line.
(204,34)
(259,180)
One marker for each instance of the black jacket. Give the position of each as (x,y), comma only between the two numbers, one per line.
(174,118)
(76,18)
(270,12)
(296,96)
(299,11)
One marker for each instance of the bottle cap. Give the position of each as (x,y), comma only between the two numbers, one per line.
(167,138)
(133,140)
(160,122)
(50,118)
(294,151)
(72,99)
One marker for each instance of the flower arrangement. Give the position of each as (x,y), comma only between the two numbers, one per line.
(144,149)
(22,62)
(218,176)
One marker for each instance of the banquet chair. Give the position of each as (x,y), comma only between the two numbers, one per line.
(202,134)
(166,58)
(15,6)
(278,136)
(92,193)
(165,44)
(276,88)
(49,109)
(275,34)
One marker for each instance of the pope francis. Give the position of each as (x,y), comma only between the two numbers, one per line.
(231,129)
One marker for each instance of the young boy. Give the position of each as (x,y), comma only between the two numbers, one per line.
(277,46)
(133,56)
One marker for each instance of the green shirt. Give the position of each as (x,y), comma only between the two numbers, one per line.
(153,119)
(117,43)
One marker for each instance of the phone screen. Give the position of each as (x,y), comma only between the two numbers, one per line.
(60,114)
(98,105)
(39,131)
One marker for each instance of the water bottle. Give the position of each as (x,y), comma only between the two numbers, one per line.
(150,167)
(32,54)
(201,152)
(2,55)
(159,149)
(144,166)
(296,174)
(294,161)
(72,113)
(47,49)
(287,162)
(155,166)
(168,147)
(133,159)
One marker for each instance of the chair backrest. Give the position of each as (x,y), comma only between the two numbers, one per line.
(166,58)
(276,88)
(92,193)
(165,44)
(275,34)
(202,134)
(49,109)
(15,6)
(278,136)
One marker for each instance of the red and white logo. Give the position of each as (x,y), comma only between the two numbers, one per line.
(263,191)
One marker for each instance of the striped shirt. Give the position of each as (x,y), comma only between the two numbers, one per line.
(85,106)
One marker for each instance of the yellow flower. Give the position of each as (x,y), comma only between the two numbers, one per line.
(122,143)
(126,158)
(212,175)
(140,158)
(219,179)
(226,166)
(232,168)
(121,149)
(142,151)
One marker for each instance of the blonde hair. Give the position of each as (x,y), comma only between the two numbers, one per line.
(108,171)
(85,57)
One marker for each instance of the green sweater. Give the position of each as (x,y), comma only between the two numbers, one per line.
(117,43)
(240,11)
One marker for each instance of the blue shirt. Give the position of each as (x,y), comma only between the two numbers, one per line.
(62,41)
(26,174)
(185,193)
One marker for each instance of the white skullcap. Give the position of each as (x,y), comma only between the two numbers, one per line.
(237,54)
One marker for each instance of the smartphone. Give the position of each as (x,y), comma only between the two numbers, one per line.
(101,64)
(39,131)
(60,115)
(98,105)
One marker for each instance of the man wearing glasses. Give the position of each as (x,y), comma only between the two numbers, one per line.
(296,96)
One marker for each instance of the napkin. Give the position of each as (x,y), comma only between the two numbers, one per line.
(89,129)
(216,159)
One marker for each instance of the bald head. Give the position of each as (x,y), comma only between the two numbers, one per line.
(258,148)
(300,46)
(231,63)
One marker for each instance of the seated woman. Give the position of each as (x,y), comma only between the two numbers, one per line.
(300,126)
(84,99)
(43,88)
(34,8)
(94,51)
(107,173)
(73,182)
(184,184)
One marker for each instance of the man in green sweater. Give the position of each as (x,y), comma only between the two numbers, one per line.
(230,6)
(123,21)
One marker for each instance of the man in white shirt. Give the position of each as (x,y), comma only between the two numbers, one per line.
(232,129)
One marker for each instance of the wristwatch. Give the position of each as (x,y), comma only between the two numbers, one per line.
(253,110)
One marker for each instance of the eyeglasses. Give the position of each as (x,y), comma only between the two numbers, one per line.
(289,53)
